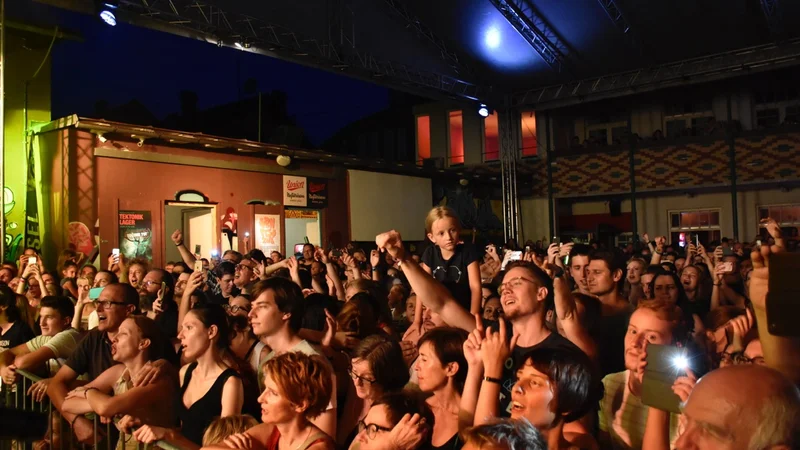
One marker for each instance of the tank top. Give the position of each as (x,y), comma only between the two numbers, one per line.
(313,438)
(199,416)
(454,443)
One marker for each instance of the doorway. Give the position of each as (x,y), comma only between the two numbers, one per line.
(198,223)
(301,224)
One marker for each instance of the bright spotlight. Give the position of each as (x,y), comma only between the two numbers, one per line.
(492,37)
(483,111)
(238,45)
(680,362)
(108,17)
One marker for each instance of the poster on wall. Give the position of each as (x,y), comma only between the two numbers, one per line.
(317,193)
(295,192)
(268,233)
(135,234)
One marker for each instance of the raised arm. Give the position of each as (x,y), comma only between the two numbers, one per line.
(495,350)
(194,283)
(186,255)
(428,290)
(566,311)
(780,353)
(332,271)
(660,243)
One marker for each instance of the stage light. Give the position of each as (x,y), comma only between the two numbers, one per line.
(283,160)
(483,111)
(238,45)
(492,38)
(106,12)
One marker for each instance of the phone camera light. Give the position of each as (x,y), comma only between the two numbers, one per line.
(214,253)
(680,362)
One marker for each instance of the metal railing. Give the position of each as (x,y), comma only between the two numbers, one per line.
(15,397)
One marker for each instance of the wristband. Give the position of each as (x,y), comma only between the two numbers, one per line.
(179,244)
(86,392)
(493,380)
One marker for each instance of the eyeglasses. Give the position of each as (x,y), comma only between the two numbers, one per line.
(372,429)
(106,304)
(233,309)
(151,283)
(513,284)
(358,378)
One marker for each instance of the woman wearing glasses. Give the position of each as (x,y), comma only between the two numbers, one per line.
(377,368)
(297,388)
(244,344)
(397,420)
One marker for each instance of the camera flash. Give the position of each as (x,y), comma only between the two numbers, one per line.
(680,362)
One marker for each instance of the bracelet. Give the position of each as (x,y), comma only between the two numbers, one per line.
(493,380)
(179,244)
(717,284)
(86,392)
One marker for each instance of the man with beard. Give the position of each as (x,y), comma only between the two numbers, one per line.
(166,309)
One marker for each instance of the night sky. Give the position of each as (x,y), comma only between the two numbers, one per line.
(121,63)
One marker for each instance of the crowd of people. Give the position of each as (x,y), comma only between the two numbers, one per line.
(380,349)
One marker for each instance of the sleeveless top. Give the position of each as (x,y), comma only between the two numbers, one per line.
(313,438)
(199,416)
(454,443)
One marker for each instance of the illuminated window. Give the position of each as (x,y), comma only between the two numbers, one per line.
(787,216)
(423,138)
(528,132)
(491,131)
(703,223)
(456,132)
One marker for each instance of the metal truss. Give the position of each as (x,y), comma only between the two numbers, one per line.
(772,12)
(614,13)
(449,57)
(202,20)
(527,21)
(696,70)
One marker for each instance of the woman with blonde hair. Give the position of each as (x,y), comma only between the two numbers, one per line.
(222,427)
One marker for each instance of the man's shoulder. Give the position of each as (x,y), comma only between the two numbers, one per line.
(613,381)
(557,341)
(92,337)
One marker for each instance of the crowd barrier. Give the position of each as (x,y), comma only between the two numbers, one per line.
(59,436)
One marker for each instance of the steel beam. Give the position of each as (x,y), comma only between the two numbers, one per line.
(772,12)
(614,13)
(534,29)
(198,19)
(450,57)
(697,70)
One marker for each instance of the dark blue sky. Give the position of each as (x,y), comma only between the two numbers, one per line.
(121,63)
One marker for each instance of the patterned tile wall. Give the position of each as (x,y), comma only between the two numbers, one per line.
(772,158)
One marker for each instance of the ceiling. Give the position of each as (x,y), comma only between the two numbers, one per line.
(468,49)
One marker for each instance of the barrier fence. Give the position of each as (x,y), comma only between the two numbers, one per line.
(59,436)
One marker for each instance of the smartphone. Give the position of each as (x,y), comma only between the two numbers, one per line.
(665,364)
(337,252)
(197,249)
(31,260)
(726,267)
(94,293)
(727,251)
(198,265)
(758,243)
(696,241)
(556,240)
(527,249)
(163,286)
(510,256)
(246,234)
(783,292)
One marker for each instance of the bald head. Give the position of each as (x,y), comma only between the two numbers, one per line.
(742,407)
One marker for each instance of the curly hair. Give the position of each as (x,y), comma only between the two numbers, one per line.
(303,380)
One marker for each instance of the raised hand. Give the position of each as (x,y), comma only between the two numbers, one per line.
(348,260)
(258,270)
(177,237)
(774,230)
(294,267)
(330,329)
(646,238)
(740,326)
(683,386)
(408,433)
(374,258)
(496,348)
(552,252)
(472,346)
(319,255)
(565,249)
(391,242)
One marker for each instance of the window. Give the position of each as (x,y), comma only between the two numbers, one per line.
(456,134)
(601,131)
(703,223)
(787,216)
(768,117)
(528,133)
(675,127)
(423,138)
(491,135)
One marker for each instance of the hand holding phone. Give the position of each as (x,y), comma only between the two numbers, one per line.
(665,364)
(726,267)
(198,265)
(31,260)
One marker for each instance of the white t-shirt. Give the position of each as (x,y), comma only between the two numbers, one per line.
(62,345)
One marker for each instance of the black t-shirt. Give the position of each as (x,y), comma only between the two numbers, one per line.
(553,341)
(167,321)
(453,272)
(93,354)
(609,333)
(19,333)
